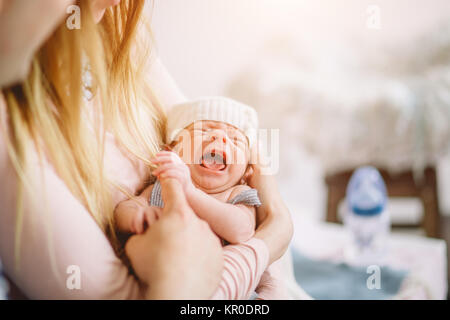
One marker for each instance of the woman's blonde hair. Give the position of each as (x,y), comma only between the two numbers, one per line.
(48,108)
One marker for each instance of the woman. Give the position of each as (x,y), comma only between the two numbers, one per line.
(69,153)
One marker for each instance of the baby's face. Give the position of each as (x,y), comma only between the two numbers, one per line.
(216,153)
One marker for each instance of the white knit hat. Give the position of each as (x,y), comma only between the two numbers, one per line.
(220,109)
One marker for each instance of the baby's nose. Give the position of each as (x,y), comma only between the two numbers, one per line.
(219,135)
(224,139)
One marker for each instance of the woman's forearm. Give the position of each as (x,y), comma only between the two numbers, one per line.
(274,222)
(276,231)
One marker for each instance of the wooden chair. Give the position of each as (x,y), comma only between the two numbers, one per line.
(398,185)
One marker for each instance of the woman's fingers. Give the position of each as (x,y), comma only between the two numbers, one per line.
(179,258)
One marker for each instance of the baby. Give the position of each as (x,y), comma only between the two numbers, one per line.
(211,140)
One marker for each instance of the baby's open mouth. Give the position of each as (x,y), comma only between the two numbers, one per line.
(214,160)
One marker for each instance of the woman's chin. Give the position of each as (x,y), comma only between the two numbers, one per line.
(98,15)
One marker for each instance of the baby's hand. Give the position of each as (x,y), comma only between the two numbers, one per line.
(135,218)
(144,218)
(170,165)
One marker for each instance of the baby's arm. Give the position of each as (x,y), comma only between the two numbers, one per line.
(233,222)
(134,215)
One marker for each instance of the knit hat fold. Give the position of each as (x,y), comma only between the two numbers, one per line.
(218,108)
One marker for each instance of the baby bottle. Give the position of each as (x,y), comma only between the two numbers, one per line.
(366,218)
(3,285)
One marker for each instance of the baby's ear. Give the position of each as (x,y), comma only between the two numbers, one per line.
(247,174)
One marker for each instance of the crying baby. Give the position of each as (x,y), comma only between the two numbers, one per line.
(210,141)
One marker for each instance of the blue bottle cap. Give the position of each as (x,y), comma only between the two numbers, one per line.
(366,192)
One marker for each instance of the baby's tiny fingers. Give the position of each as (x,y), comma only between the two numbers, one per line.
(163,167)
(173,155)
(161,159)
(163,152)
(170,154)
(171,174)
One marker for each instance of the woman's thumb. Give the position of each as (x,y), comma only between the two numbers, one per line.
(173,197)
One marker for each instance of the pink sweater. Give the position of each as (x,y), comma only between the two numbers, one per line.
(58,232)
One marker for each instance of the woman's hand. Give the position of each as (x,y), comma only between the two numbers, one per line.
(274,222)
(24,25)
(179,257)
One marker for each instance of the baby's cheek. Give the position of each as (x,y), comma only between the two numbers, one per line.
(236,172)
(190,151)
(238,157)
(197,149)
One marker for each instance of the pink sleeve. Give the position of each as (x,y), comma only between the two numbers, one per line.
(244,265)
